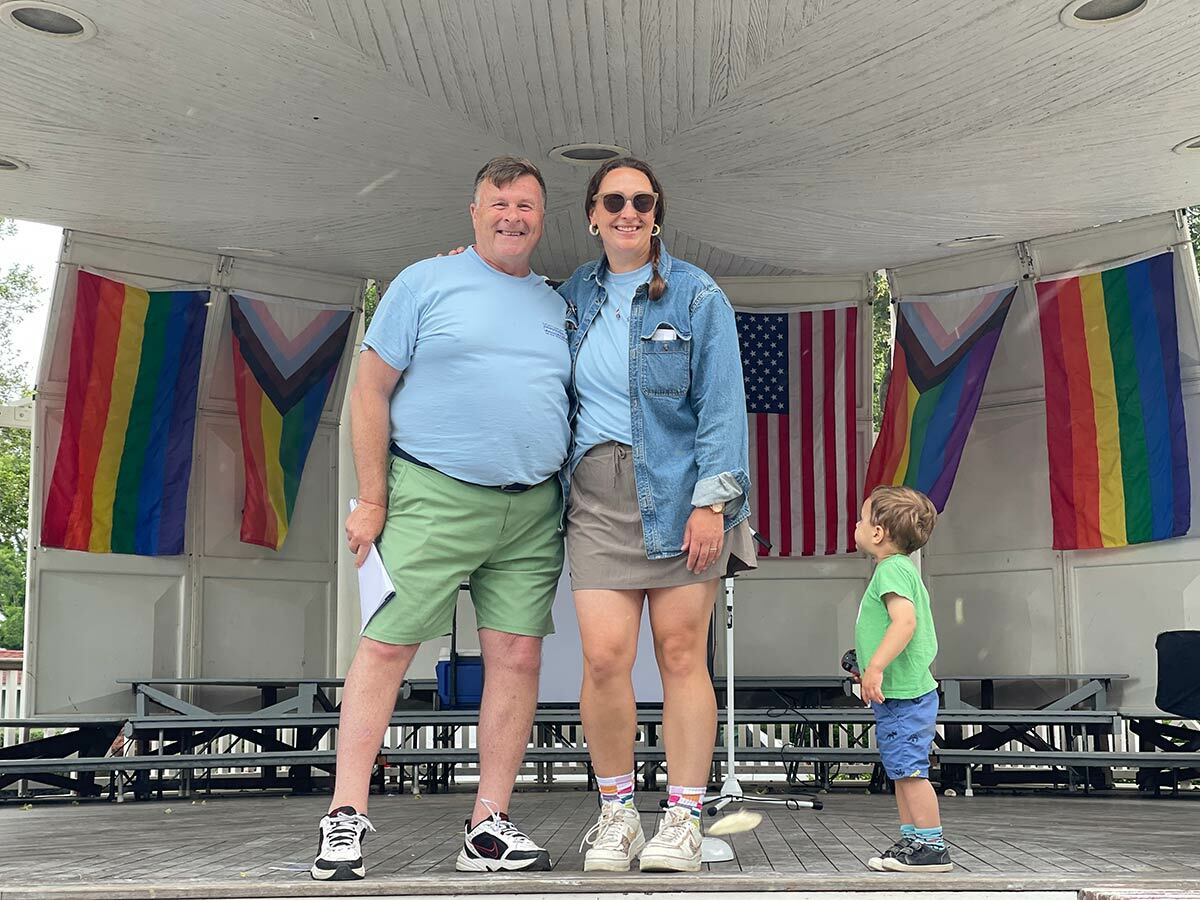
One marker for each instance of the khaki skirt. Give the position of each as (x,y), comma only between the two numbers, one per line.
(606,548)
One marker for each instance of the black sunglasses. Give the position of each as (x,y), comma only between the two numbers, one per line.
(615,202)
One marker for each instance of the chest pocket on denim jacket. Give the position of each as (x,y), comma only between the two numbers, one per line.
(666,360)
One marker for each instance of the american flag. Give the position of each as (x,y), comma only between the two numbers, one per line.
(801,389)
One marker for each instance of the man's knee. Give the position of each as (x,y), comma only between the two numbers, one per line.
(379,653)
(518,655)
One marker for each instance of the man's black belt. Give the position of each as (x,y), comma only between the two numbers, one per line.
(399,451)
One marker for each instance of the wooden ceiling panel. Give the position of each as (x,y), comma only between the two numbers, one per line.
(791,135)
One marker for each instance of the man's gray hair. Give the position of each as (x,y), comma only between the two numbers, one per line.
(504,170)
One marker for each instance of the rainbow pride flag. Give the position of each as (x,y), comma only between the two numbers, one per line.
(120,480)
(937,379)
(1114,406)
(282,383)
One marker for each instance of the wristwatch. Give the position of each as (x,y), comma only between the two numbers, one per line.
(717,507)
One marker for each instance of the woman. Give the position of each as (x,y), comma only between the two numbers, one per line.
(657,486)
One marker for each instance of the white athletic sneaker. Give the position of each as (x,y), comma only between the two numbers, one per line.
(497,845)
(616,838)
(340,855)
(676,847)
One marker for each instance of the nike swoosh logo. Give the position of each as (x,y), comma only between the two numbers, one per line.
(489,849)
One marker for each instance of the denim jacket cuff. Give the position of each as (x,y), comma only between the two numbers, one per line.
(716,489)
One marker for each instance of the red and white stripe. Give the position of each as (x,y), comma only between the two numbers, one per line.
(804,466)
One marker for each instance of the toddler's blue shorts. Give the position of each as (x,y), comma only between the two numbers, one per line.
(904,731)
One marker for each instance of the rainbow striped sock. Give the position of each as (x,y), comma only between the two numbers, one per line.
(688,797)
(618,789)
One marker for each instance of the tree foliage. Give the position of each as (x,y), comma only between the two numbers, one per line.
(18,287)
(881,343)
(370,301)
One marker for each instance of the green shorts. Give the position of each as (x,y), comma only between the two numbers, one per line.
(441,532)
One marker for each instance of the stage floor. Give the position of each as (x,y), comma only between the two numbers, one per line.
(259,846)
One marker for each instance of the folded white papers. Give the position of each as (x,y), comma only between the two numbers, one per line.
(375,586)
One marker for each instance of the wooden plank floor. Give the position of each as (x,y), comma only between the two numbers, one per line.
(255,845)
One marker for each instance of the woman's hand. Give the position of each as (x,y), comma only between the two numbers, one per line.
(703,538)
(454,252)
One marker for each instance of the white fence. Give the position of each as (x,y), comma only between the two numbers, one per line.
(11,687)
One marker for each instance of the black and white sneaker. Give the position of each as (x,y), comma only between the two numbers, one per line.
(875,863)
(497,845)
(918,857)
(340,855)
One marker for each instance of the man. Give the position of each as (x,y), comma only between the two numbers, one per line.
(459,428)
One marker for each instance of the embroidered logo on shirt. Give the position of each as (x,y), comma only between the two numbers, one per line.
(554,330)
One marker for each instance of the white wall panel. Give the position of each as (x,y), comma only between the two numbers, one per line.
(794,617)
(1001,619)
(263,626)
(1123,599)
(94,625)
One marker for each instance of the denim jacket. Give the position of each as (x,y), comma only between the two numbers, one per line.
(687,397)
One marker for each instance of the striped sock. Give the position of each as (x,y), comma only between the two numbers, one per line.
(618,789)
(932,837)
(907,830)
(688,797)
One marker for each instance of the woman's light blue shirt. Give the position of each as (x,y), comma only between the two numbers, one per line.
(602,368)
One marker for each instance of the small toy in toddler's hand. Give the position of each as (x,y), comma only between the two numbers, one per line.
(735,823)
(850,662)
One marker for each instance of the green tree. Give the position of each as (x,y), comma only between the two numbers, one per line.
(881,344)
(18,288)
(12,598)
(14,488)
(370,300)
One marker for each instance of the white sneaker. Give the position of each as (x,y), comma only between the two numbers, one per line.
(340,855)
(616,838)
(676,847)
(497,845)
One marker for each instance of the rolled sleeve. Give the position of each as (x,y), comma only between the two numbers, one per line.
(722,488)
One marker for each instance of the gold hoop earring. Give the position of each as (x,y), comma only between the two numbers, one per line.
(656,230)
(593,229)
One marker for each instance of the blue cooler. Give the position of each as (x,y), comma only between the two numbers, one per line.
(468,680)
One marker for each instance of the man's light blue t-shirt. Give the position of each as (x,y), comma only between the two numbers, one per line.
(602,367)
(485,363)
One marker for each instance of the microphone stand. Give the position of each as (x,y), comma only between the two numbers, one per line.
(714,849)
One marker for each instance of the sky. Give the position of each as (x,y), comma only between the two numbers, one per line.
(33,245)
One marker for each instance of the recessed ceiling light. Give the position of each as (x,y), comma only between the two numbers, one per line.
(247,251)
(971,240)
(47,19)
(1191,145)
(587,154)
(1098,13)
(8,164)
